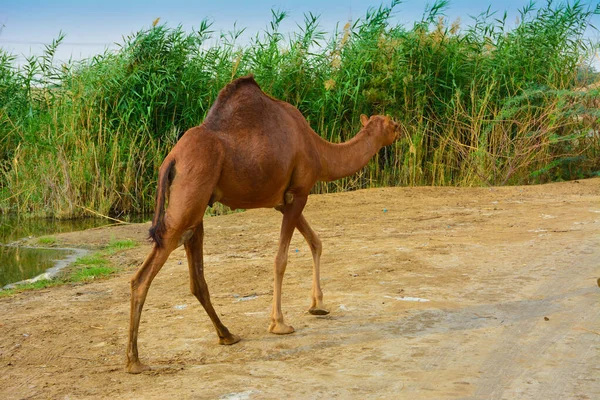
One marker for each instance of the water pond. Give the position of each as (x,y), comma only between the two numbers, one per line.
(21,263)
(18,263)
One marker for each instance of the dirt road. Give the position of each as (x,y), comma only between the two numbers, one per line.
(435,293)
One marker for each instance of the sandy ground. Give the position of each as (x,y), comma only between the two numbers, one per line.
(510,275)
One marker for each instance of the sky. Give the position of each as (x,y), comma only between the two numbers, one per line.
(93,26)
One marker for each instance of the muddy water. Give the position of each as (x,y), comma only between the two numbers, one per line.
(18,263)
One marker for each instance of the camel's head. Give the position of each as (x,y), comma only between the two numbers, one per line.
(383,126)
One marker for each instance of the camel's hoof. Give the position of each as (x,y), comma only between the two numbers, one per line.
(136,368)
(280,329)
(231,339)
(318,311)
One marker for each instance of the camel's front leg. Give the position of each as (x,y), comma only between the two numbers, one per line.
(316,305)
(291,213)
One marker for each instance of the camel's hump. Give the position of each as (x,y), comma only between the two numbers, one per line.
(234,86)
(229,102)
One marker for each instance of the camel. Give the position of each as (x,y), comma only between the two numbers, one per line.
(251,151)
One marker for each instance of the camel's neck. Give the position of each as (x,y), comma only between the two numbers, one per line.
(344,159)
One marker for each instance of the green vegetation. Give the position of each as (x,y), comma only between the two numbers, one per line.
(92,260)
(47,240)
(91,272)
(97,264)
(481,103)
(41,284)
(118,245)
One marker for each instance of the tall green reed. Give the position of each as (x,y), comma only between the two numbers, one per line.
(481,104)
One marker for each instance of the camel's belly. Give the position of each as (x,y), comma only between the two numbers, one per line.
(250,196)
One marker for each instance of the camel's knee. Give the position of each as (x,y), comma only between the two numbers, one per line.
(148,270)
(135,283)
(280,258)
(199,291)
(316,246)
(196,291)
(193,289)
(280,263)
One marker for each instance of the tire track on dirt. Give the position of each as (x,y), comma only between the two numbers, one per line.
(535,357)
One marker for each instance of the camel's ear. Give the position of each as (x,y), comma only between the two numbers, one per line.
(364,119)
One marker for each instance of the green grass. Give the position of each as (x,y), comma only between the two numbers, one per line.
(41,284)
(481,102)
(47,240)
(97,265)
(88,273)
(92,260)
(119,245)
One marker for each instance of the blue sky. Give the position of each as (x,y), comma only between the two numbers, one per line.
(92,26)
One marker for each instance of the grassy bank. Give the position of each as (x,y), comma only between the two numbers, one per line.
(481,104)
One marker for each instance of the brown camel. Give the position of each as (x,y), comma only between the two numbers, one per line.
(251,151)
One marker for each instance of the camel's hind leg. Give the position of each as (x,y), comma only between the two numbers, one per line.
(193,249)
(140,283)
(316,305)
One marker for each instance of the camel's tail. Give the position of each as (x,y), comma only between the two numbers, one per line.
(165,179)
